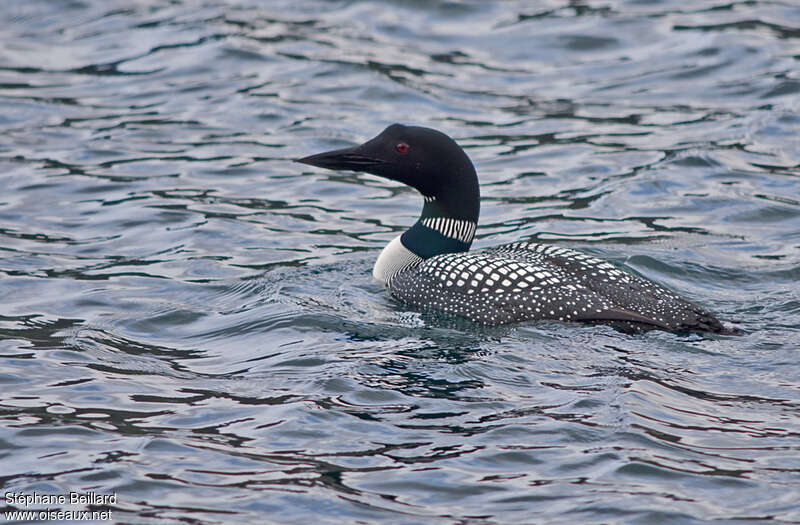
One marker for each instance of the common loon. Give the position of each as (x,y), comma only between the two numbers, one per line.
(431,268)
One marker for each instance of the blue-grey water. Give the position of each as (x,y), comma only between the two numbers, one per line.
(188,320)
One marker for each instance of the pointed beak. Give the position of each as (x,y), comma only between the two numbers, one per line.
(352,159)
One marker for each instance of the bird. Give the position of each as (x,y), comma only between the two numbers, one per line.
(430,267)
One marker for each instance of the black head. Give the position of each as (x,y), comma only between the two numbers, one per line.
(423,158)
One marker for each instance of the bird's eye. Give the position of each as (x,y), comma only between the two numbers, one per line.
(402,148)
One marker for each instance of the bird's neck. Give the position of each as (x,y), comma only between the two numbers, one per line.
(438,230)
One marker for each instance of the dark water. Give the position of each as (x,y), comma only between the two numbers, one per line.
(188,319)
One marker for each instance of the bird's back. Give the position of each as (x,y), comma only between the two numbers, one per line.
(531,281)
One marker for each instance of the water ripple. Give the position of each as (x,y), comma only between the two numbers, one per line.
(189,319)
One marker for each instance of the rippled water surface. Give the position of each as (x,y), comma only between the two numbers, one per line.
(188,318)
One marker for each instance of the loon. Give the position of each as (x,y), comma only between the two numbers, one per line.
(430,267)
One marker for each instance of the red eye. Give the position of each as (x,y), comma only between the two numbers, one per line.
(402,148)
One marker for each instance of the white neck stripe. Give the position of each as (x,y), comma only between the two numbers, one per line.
(458,229)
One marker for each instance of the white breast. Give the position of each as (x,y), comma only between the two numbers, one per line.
(392,259)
